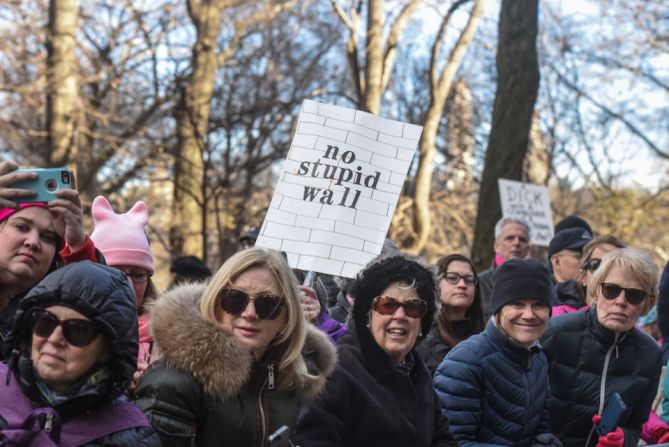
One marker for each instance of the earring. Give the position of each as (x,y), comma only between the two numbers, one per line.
(367,325)
(420,334)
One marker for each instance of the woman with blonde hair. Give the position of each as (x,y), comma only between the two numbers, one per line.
(233,364)
(596,353)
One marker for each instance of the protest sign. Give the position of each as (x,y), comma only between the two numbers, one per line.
(336,196)
(529,202)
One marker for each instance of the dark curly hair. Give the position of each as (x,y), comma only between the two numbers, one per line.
(396,269)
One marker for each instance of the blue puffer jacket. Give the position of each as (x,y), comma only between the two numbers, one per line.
(494,391)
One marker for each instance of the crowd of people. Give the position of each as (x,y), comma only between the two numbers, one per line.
(526,353)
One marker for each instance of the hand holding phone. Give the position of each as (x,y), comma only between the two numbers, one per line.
(44,183)
(9,194)
(611,415)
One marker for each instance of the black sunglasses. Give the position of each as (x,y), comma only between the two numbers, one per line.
(267,306)
(592,265)
(387,305)
(454,278)
(612,291)
(76,331)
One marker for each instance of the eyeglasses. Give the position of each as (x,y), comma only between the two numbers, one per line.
(454,278)
(612,291)
(387,305)
(138,276)
(267,306)
(592,265)
(76,331)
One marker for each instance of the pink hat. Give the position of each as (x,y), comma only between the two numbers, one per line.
(121,237)
(6,212)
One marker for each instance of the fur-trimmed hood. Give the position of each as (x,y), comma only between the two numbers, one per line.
(188,342)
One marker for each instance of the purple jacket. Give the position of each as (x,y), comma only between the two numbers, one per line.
(334,329)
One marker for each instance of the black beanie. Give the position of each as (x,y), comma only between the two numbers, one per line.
(520,279)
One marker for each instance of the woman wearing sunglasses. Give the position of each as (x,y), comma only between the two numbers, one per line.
(494,385)
(599,352)
(572,294)
(74,349)
(233,365)
(381,393)
(461,313)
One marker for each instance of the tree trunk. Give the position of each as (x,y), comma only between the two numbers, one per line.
(440,88)
(517,86)
(62,75)
(189,207)
(374,57)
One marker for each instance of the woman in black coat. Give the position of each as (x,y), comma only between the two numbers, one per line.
(597,352)
(237,356)
(381,393)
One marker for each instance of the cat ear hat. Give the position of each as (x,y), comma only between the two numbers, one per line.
(121,237)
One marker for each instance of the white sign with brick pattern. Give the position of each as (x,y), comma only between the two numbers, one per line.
(337,193)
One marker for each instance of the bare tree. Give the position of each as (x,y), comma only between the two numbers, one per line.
(517,86)
(63,72)
(189,204)
(440,86)
(372,74)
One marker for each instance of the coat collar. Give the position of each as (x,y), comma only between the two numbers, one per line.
(217,360)
(604,335)
(515,351)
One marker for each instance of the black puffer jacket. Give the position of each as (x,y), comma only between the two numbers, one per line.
(585,358)
(369,401)
(207,391)
(104,296)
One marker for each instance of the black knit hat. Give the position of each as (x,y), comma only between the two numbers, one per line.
(520,279)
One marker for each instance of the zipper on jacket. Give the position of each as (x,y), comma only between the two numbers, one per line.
(270,375)
(261,410)
(48,423)
(602,384)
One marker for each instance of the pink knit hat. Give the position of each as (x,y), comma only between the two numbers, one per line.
(121,237)
(6,212)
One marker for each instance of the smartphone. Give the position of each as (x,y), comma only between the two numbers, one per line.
(48,181)
(309,279)
(280,438)
(611,415)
